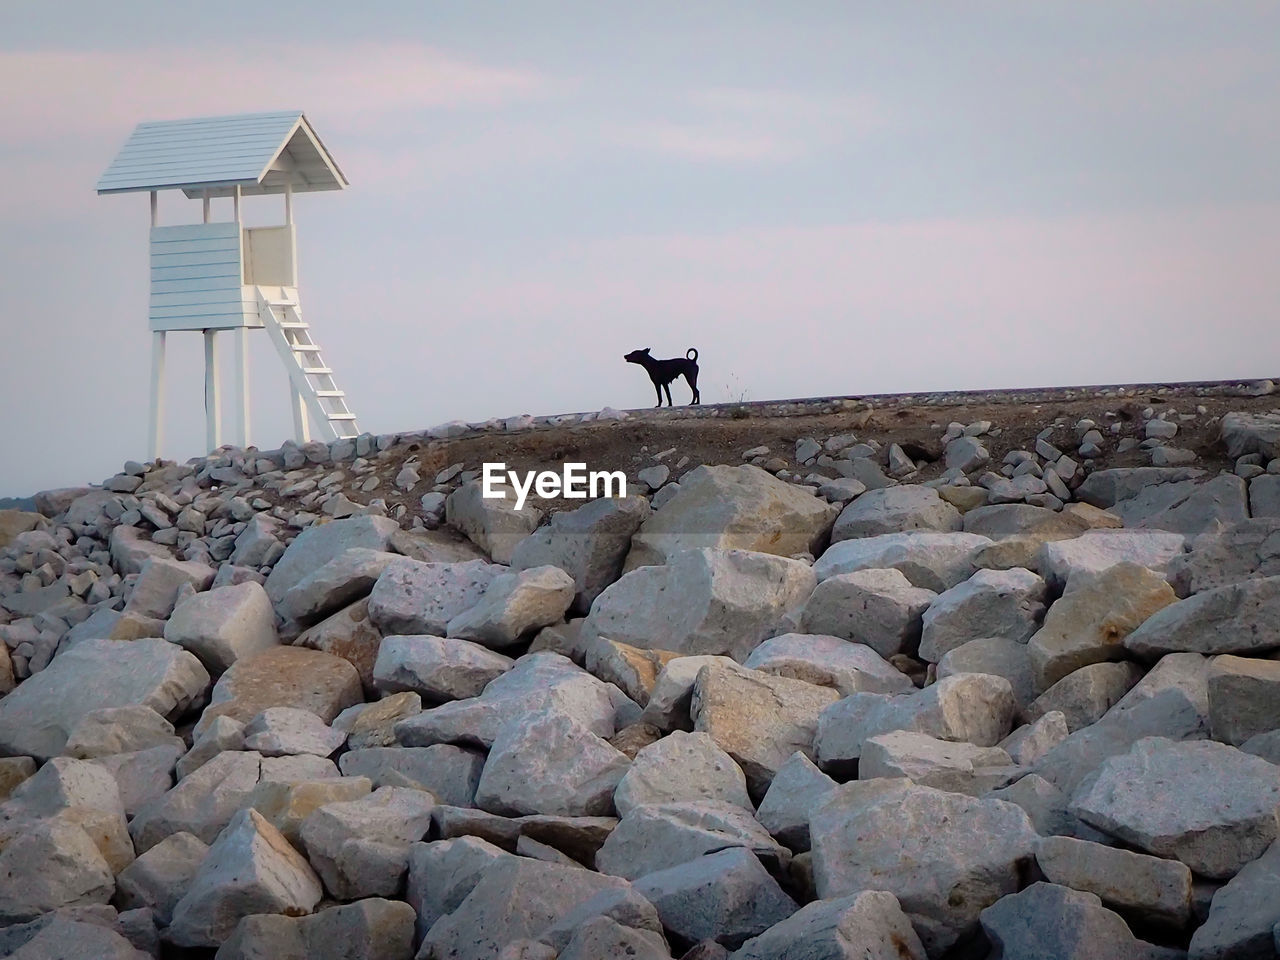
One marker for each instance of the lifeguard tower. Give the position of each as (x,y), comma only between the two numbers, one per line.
(219,275)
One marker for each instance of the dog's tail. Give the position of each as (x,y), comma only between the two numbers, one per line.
(691,354)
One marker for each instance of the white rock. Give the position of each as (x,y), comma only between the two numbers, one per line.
(1096,550)
(991,603)
(681,767)
(514,605)
(435,668)
(492,524)
(828,662)
(159,878)
(863,926)
(896,510)
(879,608)
(929,762)
(1237,618)
(114,730)
(202,803)
(796,789)
(158,584)
(47,865)
(286,731)
(343,580)
(224,625)
(1153,889)
(416,598)
(320,543)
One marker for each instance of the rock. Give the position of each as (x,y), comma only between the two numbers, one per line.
(733,508)
(654,837)
(514,605)
(450,773)
(1243,914)
(841,490)
(318,544)
(828,662)
(159,878)
(757,719)
(414,598)
(287,805)
(1243,552)
(702,602)
(294,769)
(224,625)
(220,735)
(370,929)
(348,634)
(1187,507)
(37,717)
(929,762)
(589,543)
(934,561)
(67,937)
(727,896)
(1047,920)
(435,668)
(1003,520)
(1243,701)
(1090,622)
(283,677)
(513,899)
(1236,618)
(966,454)
(993,603)
(603,937)
(14,522)
(796,788)
(537,681)
(250,869)
(1046,805)
(632,670)
(158,583)
(492,524)
(49,864)
(287,731)
(143,775)
(113,730)
(1084,695)
(549,763)
(1096,550)
(896,510)
(945,857)
(444,872)
(373,724)
(1030,742)
(672,694)
(13,771)
(257,544)
(998,656)
(1151,890)
(864,926)
(361,847)
(971,708)
(202,803)
(1213,832)
(346,578)
(1106,488)
(130,551)
(1250,433)
(678,768)
(879,608)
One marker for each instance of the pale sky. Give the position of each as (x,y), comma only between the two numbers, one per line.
(823,198)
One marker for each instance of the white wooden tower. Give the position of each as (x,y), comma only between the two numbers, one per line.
(219,275)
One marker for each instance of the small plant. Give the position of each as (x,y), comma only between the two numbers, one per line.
(735,392)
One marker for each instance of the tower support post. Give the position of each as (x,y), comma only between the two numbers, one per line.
(156,440)
(212,409)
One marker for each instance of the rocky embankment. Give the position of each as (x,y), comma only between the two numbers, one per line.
(829,701)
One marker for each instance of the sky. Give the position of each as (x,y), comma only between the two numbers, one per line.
(828,198)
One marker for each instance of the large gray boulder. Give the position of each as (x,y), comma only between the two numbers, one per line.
(513,899)
(343,580)
(1167,798)
(492,523)
(283,677)
(37,717)
(896,510)
(1242,552)
(702,602)
(671,696)
(796,789)
(1152,890)
(974,708)
(450,773)
(47,865)
(733,508)
(589,543)
(725,896)
(549,763)
(249,869)
(1240,618)
(1084,696)
(318,544)
(437,669)
(370,929)
(998,656)
(1251,433)
(946,857)
(1244,698)
(157,586)
(862,926)
(416,598)
(1089,623)
(1106,488)
(1096,550)
(1244,913)
(202,803)
(1047,920)
(758,719)
(514,605)
(1188,507)
(681,767)
(224,625)
(828,662)
(929,762)
(879,608)
(935,561)
(655,837)
(991,603)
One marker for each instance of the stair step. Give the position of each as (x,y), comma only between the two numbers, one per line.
(301,325)
(304,348)
(330,393)
(342,416)
(316,371)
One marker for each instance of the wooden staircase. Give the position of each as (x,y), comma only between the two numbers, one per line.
(316,397)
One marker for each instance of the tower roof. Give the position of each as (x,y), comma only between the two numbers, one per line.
(259,152)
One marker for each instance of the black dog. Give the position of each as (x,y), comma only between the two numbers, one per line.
(662,372)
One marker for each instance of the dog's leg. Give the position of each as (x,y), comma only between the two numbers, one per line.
(691,378)
(667,387)
(658,389)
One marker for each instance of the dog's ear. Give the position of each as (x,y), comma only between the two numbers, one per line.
(647,349)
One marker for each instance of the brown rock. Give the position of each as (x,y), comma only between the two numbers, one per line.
(630,668)
(348,634)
